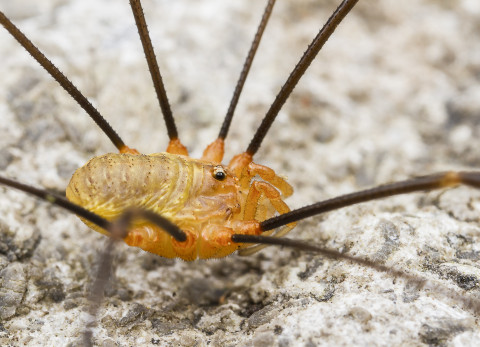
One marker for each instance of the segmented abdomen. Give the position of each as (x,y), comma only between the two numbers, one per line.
(110,183)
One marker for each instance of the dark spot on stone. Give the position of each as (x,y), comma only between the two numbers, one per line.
(137,313)
(310,269)
(438,333)
(13,285)
(277,330)
(5,159)
(391,236)
(251,309)
(203,292)
(460,111)
(119,288)
(410,293)
(226,269)
(327,293)
(463,245)
(463,280)
(164,327)
(197,316)
(52,288)
(17,248)
(262,316)
(150,262)
(124,294)
(360,314)
(467,282)
(57,294)
(471,255)
(69,304)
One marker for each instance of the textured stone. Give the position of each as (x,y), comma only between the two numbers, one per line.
(393,94)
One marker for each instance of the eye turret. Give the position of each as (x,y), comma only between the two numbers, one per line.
(219,173)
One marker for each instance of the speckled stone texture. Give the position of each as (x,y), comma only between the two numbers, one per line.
(395,93)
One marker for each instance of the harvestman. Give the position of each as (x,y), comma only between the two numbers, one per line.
(215,154)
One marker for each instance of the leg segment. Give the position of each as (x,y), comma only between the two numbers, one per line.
(255,206)
(252,205)
(176,147)
(267,175)
(214,151)
(422,183)
(216,241)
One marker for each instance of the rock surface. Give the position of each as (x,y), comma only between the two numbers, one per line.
(395,93)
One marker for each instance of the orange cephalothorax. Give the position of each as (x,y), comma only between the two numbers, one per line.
(204,199)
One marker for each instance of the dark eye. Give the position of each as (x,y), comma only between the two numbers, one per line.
(219,173)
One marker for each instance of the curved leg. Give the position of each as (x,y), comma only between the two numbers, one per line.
(256,192)
(268,175)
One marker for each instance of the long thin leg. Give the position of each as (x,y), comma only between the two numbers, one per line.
(118,230)
(239,162)
(66,84)
(245,70)
(468,302)
(62,202)
(424,183)
(175,146)
(214,152)
(342,10)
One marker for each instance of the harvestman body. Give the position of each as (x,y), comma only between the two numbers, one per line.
(241,170)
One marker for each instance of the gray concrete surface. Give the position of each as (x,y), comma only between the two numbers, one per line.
(394,94)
